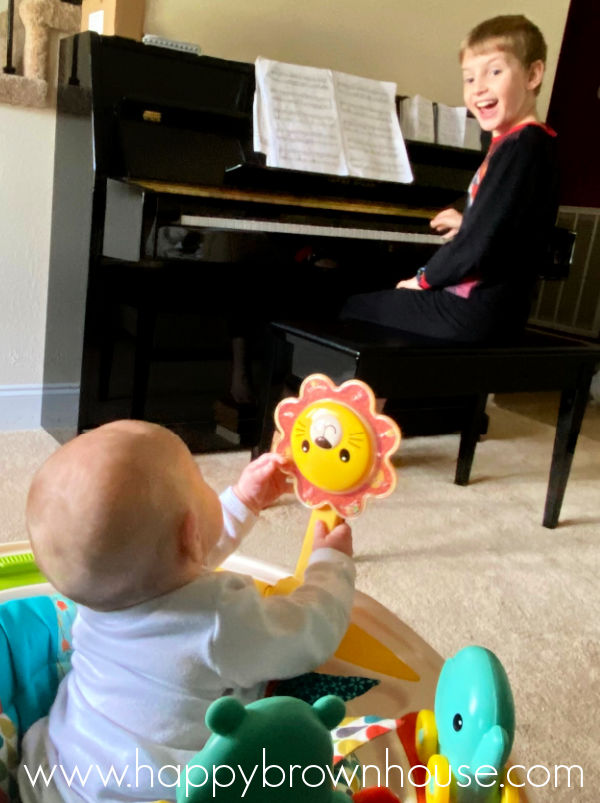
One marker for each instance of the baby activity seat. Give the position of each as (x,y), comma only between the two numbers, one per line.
(35,654)
(387,701)
(339,451)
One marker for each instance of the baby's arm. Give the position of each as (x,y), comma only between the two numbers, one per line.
(259,639)
(261,482)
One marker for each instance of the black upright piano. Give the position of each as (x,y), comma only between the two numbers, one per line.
(173,245)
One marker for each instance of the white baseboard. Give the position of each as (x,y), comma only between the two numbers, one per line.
(21,405)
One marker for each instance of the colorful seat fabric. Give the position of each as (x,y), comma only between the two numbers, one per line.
(35,654)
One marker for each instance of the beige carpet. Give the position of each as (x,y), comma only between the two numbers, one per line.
(460,566)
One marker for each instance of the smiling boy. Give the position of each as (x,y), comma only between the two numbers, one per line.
(502,73)
(502,76)
(479,284)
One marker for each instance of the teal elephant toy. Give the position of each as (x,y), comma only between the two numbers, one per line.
(466,741)
(274,749)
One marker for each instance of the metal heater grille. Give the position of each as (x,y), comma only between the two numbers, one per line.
(573,304)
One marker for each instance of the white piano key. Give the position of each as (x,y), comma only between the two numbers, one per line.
(276,227)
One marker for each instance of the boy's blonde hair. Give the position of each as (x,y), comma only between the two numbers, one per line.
(512,32)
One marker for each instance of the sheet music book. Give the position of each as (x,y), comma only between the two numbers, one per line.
(451,125)
(427,121)
(313,119)
(417,120)
(472,134)
(454,127)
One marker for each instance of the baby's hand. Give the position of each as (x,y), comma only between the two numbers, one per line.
(339,538)
(262,481)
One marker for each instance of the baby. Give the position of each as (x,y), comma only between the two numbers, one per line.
(122,521)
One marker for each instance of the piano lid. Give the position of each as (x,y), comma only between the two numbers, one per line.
(162,115)
(158,113)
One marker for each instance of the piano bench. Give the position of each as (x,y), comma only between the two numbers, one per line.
(403,366)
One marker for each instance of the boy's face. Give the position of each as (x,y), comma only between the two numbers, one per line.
(498,89)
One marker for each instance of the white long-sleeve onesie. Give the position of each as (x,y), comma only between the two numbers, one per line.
(130,714)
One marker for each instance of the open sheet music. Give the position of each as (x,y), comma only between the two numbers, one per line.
(307,118)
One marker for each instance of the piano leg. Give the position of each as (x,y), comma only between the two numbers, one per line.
(144,341)
(573,402)
(468,439)
(272,391)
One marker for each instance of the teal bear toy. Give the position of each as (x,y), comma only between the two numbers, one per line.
(471,731)
(275,749)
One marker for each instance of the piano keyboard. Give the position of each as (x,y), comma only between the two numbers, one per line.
(275,227)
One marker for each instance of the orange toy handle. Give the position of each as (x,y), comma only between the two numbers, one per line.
(331,519)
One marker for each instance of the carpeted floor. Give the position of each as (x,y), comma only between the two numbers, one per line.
(461,565)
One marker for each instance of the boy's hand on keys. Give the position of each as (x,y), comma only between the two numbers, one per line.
(447,223)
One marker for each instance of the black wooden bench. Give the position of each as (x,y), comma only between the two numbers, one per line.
(402,366)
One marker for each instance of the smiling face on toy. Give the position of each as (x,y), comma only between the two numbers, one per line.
(332,446)
(339,447)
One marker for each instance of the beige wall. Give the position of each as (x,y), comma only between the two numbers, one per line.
(26,164)
(412,42)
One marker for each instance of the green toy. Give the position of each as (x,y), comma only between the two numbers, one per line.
(19,570)
(274,749)
(468,738)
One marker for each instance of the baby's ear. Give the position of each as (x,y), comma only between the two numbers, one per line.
(189,543)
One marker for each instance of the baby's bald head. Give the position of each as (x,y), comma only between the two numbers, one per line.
(121,514)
